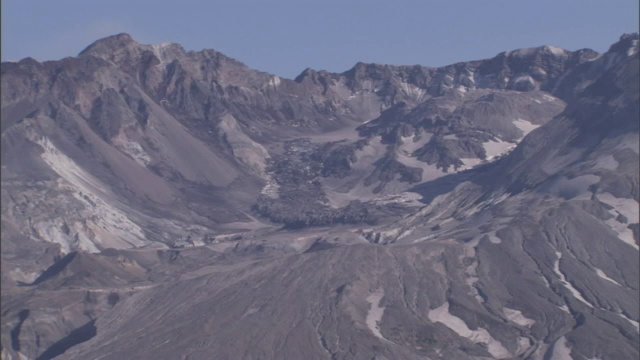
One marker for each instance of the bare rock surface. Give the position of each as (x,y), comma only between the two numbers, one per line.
(163,203)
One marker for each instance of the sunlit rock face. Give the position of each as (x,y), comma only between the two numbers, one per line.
(163,203)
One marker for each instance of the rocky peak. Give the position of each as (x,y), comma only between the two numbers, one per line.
(531,68)
(107,46)
(540,51)
(307,73)
(363,72)
(588,65)
(126,53)
(627,45)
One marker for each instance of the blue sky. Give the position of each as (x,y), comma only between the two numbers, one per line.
(286,36)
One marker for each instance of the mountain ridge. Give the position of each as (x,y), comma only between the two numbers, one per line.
(145,179)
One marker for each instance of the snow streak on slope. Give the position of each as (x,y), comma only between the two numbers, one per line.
(568,285)
(441,314)
(601,274)
(632,322)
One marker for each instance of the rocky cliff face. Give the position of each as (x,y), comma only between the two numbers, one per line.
(145,179)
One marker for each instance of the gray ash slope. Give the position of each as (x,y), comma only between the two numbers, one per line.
(144,189)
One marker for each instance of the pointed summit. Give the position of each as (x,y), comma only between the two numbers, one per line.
(108,44)
(119,49)
(627,45)
(123,50)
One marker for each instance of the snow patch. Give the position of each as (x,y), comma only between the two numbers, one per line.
(275,81)
(412,91)
(250,311)
(442,315)
(471,75)
(545,281)
(493,149)
(556,50)
(429,172)
(629,208)
(633,49)
(540,71)
(633,322)
(160,51)
(497,147)
(469,163)
(526,78)
(629,141)
(160,46)
(517,317)
(576,294)
(494,239)
(607,162)
(469,252)
(560,350)
(601,274)
(412,143)
(525,126)
(374,316)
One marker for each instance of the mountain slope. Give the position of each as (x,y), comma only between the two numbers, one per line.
(481,210)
